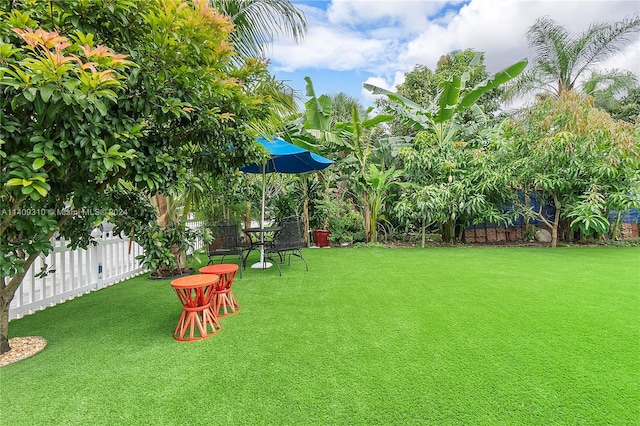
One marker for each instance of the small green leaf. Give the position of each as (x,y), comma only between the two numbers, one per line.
(101,107)
(38,163)
(30,94)
(46,91)
(41,190)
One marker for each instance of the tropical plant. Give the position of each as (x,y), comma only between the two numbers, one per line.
(441,149)
(257,23)
(579,158)
(454,185)
(421,84)
(376,184)
(453,98)
(628,108)
(607,87)
(561,58)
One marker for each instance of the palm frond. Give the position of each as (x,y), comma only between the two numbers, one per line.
(259,22)
(560,58)
(551,44)
(535,79)
(601,41)
(607,86)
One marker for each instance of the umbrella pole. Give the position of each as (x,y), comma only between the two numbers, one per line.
(262,264)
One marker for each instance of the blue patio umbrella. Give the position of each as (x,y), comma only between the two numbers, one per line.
(283,158)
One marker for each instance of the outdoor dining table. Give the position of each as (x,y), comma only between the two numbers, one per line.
(257,241)
(198,320)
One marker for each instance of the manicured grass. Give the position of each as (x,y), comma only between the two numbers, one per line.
(488,336)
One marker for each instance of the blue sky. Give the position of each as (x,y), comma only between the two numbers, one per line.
(350,42)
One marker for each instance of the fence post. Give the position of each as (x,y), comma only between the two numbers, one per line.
(97,261)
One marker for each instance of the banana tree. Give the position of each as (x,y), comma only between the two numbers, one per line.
(453,97)
(358,146)
(438,120)
(377,184)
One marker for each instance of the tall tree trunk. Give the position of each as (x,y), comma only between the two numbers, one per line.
(556,222)
(162,203)
(305,212)
(424,230)
(373,223)
(366,214)
(7,292)
(526,224)
(164,217)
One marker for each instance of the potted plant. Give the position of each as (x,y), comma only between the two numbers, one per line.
(321,211)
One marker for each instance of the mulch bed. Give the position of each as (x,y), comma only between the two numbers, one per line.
(22,348)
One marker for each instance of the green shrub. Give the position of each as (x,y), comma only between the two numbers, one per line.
(347,228)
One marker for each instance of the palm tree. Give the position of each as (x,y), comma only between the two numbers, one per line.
(561,58)
(606,86)
(259,22)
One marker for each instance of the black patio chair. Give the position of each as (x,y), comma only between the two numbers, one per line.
(288,242)
(227,241)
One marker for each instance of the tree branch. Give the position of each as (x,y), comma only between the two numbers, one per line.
(544,219)
(12,212)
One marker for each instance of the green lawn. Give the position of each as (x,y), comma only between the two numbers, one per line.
(444,336)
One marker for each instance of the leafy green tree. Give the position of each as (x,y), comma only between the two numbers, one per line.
(342,107)
(442,115)
(59,148)
(575,155)
(421,85)
(354,147)
(561,58)
(257,23)
(376,184)
(454,185)
(77,119)
(312,130)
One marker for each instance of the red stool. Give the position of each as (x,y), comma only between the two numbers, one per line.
(196,293)
(224,297)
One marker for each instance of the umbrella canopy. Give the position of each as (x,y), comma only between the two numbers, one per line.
(283,158)
(287,158)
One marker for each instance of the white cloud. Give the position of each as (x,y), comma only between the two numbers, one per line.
(498,28)
(328,48)
(406,16)
(388,38)
(628,59)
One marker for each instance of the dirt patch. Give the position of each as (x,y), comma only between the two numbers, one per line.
(22,348)
(164,274)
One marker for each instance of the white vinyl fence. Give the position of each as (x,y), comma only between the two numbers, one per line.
(77,272)
(195,225)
